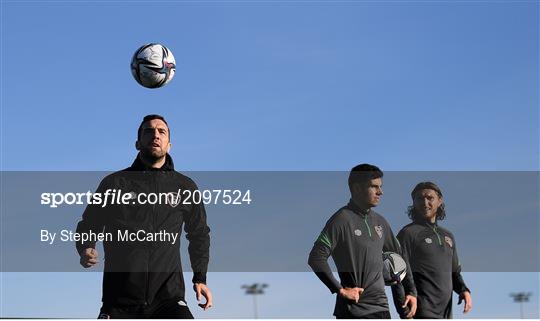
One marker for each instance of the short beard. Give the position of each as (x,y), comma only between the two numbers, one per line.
(152,157)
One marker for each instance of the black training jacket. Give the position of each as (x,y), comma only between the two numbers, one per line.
(144,272)
(432,255)
(356,240)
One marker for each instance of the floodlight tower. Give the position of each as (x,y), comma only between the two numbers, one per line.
(521,297)
(255,289)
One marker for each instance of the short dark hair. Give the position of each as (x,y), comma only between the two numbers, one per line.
(363,173)
(149,118)
(441,212)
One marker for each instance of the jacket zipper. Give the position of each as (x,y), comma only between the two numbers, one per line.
(367,225)
(438,237)
(152,183)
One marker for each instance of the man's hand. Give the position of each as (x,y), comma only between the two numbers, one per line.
(89,257)
(352,294)
(202,289)
(410,303)
(466,295)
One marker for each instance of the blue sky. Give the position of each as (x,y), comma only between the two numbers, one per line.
(302,86)
(409,86)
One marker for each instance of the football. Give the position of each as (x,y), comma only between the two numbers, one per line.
(153,65)
(394,268)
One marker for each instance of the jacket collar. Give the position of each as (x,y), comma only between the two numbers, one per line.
(353,207)
(138,165)
(425,222)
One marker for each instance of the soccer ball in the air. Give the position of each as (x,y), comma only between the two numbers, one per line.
(153,65)
(394,268)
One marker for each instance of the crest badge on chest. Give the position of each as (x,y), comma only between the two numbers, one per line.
(173,200)
(379,230)
(448,241)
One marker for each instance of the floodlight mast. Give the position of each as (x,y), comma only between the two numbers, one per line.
(520,298)
(254,290)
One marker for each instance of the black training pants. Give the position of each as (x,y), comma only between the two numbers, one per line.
(161,310)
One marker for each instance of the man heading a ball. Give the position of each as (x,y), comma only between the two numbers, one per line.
(144,279)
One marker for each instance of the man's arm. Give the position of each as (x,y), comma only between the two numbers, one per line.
(458,283)
(198,235)
(318,261)
(92,220)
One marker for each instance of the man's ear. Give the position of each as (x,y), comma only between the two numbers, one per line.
(137,145)
(169,147)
